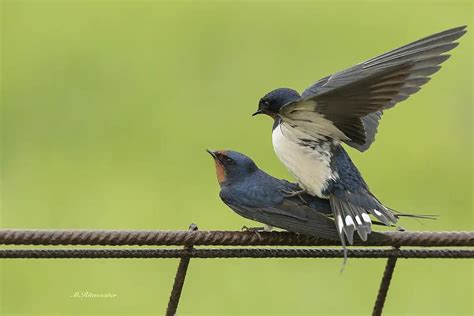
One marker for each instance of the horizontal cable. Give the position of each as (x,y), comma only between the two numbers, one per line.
(222,238)
(233,253)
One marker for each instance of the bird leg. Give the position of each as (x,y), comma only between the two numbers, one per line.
(267,228)
(253,229)
(290,194)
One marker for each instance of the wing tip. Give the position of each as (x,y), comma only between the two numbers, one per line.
(460,28)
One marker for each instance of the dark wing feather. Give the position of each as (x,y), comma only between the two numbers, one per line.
(371,123)
(346,105)
(354,99)
(293,217)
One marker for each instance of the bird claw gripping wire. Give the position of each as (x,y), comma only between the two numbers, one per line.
(255,230)
(192,227)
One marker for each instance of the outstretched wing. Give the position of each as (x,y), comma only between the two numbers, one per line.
(349,104)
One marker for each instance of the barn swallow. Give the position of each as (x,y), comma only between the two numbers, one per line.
(346,108)
(257,196)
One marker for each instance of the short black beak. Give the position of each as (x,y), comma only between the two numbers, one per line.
(258,112)
(212,153)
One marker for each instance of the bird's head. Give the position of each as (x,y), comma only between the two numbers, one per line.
(271,103)
(231,166)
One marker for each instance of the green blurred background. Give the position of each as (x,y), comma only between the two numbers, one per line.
(107,107)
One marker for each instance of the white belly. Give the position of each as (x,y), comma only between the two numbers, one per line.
(311,168)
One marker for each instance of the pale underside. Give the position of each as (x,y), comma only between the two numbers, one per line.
(308,165)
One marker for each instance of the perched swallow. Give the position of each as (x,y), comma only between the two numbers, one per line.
(346,107)
(257,196)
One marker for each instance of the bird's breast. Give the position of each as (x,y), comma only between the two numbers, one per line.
(307,159)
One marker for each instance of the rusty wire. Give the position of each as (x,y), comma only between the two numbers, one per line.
(223,238)
(177,286)
(193,237)
(179,279)
(384,285)
(235,253)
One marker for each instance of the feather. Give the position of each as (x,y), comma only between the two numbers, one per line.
(365,90)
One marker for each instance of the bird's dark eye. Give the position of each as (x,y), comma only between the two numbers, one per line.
(229,160)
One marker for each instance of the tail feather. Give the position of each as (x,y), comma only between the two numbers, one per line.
(350,218)
(363,227)
(419,216)
(340,228)
(381,212)
(399,215)
(352,213)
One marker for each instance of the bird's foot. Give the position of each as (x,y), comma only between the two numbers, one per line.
(253,229)
(298,193)
(288,194)
(268,228)
(400,229)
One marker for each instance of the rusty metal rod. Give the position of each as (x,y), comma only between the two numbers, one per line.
(235,253)
(384,285)
(223,238)
(178,285)
(179,279)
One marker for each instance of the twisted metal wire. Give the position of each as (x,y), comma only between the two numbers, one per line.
(235,253)
(193,237)
(179,280)
(223,238)
(384,286)
(177,286)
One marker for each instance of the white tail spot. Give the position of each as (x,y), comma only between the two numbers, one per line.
(339,223)
(366,218)
(358,220)
(349,221)
(377,213)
